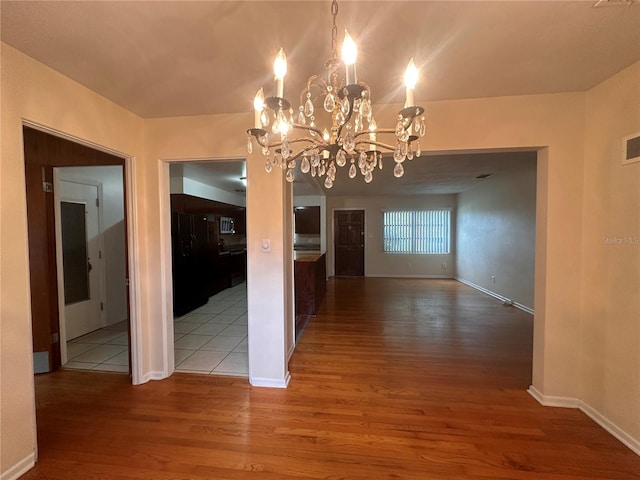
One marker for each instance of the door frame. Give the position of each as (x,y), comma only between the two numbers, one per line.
(59,264)
(331,236)
(131,236)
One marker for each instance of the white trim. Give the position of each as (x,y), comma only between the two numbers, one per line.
(166,272)
(131,206)
(23,466)
(292,348)
(152,376)
(612,428)
(385,275)
(568,402)
(270,382)
(549,401)
(502,298)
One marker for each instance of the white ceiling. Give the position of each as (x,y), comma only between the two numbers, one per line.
(172,58)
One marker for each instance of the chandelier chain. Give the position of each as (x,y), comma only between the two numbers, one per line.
(334,29)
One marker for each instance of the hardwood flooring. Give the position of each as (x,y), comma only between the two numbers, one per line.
(394,379)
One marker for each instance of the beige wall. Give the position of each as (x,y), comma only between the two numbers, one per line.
(555,122)
(610,350)
(31,91)
(496,224)
(380,264)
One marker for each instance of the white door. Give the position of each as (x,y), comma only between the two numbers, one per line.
(81,258)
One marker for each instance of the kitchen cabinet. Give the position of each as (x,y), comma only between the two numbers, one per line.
(310,282)
(307,220)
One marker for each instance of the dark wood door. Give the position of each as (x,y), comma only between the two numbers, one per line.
(43,152)
(348,240)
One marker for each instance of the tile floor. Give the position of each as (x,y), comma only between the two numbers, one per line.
(211,339)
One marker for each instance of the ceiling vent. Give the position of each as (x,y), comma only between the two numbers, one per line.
(631,149)
(612,3)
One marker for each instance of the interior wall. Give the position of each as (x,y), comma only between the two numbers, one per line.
(113,231)
(496,233)
(610,330)
(33,92)
(380,264)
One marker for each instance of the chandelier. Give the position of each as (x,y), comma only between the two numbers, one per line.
(289,137)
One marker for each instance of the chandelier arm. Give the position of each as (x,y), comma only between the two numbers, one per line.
(377,144)
(301,153)
(305,127)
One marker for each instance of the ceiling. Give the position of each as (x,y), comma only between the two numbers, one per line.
(174,58)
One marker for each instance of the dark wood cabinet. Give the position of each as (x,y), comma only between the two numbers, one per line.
(310,273)
(307,220)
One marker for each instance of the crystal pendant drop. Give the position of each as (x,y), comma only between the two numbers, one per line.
(352,171)
(328,182)
(397,154)
(340,119)
(264,118)
(267,166)
(286,150)
(321,170)
(249,146)
(345,106)
(409,155)
(308,107)
(313,171)
(404,136)
(417,125)
(331,171)
(312,125)
(368,177)
(362,160)
(349,142)
(265,138)
(301,119)
(265,151)
(281,118)
(341,158)
(380,162)
(275,161)
(305,165)
(423,129)
(418,150)
(399,128)
(289,175)
(365,109)
(315,158)
(398,170)
(404,149)
(329,102)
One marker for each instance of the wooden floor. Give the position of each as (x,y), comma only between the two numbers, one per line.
(402,379)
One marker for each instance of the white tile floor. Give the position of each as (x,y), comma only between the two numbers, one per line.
(211,339)
(106,349)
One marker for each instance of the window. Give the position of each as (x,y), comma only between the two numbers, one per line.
(424,231)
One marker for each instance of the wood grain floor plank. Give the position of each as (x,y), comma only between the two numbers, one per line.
(394,379)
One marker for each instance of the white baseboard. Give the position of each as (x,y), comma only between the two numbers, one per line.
(567,402)
(20,468)
(152,376)
(375,275)
(270,382)
(612,428)
(502,298)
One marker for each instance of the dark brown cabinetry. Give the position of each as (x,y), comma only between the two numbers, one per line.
(202,264)
(307,220)
(310,272)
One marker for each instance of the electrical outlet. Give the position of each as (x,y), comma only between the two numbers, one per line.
(444,265)
(493,279)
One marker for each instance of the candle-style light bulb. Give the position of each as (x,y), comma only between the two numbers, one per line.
(280,70)
(258,105)
(373,126)
(410,80)
(349,56)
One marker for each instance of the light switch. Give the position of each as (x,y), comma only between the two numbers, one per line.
(266,245)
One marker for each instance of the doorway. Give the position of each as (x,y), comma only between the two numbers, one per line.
(46,156)
(348,238)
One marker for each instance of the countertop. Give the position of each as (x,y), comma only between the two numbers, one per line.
(307,255)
